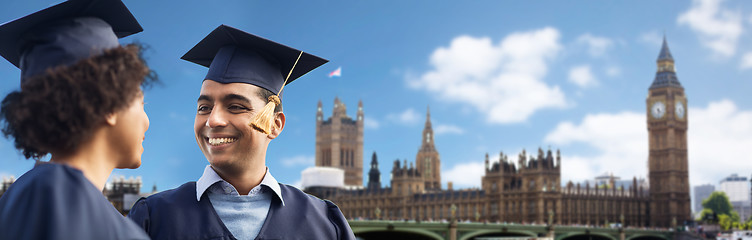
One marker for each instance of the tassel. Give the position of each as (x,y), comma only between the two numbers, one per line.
(263,120)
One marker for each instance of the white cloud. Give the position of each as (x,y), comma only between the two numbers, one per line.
(653,38)
(597,46)
(719,135)
(503,81)
(464,175)
(746,61)
(371,123)
(409,116)
(300,160)
(620,140)
(718,28)
(613,71)
(582,76)
(448,129)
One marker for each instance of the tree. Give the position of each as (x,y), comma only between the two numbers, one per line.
(718,209)
(718,203)
(725,221)
(735,216)
(708,216)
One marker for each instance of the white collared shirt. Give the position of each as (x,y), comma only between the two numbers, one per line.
(210,177)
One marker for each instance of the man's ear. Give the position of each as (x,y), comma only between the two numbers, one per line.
(111,119)
(278,125)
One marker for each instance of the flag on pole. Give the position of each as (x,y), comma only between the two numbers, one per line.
(336,73)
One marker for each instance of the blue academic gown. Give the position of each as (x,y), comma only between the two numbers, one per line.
(55,201)
(175,214)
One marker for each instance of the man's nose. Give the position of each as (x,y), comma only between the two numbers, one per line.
(216,119)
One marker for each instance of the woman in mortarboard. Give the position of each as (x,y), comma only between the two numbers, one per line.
(81,102)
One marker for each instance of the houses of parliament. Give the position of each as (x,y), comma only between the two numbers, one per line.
(525,188)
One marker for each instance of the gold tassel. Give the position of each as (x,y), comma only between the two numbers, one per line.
(263,120)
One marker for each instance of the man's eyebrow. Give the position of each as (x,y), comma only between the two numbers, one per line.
(204,98)
(237,97)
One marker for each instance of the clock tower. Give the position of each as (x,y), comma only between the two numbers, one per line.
(667,134)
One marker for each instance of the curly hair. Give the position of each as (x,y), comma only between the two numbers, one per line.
(57,110)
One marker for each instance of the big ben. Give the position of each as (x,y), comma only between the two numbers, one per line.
(667,134)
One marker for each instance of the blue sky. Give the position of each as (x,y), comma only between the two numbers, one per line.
(499,76)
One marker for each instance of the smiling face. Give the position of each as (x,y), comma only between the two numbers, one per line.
(223,130)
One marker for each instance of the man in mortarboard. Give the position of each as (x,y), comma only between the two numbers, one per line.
(79,102)
(238,113)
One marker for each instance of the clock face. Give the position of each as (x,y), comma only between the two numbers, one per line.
(658,109)
(679,110)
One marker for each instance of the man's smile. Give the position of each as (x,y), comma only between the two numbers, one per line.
(220,141)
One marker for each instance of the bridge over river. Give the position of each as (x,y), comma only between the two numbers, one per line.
(378,229)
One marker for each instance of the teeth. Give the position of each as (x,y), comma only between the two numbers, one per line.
(220,141)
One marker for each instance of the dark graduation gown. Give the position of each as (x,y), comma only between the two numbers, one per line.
(54,201)
(175,214)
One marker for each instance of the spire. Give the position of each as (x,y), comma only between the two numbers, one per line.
(665,53)
(374,175)
(360,112)
(319,113)
(428,117)
(486,162)
(665,75)
(427,144)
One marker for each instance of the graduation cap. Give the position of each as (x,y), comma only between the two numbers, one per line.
(235,56)
(64,34)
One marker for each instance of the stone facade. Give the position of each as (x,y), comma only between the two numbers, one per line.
(339,142)
(527,194)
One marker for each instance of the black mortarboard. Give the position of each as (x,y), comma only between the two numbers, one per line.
(64,34)
(235,56)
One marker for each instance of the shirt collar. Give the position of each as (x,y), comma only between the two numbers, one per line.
(210,177)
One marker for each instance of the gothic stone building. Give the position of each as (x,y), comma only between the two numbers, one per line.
(526,191)
(339,142)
